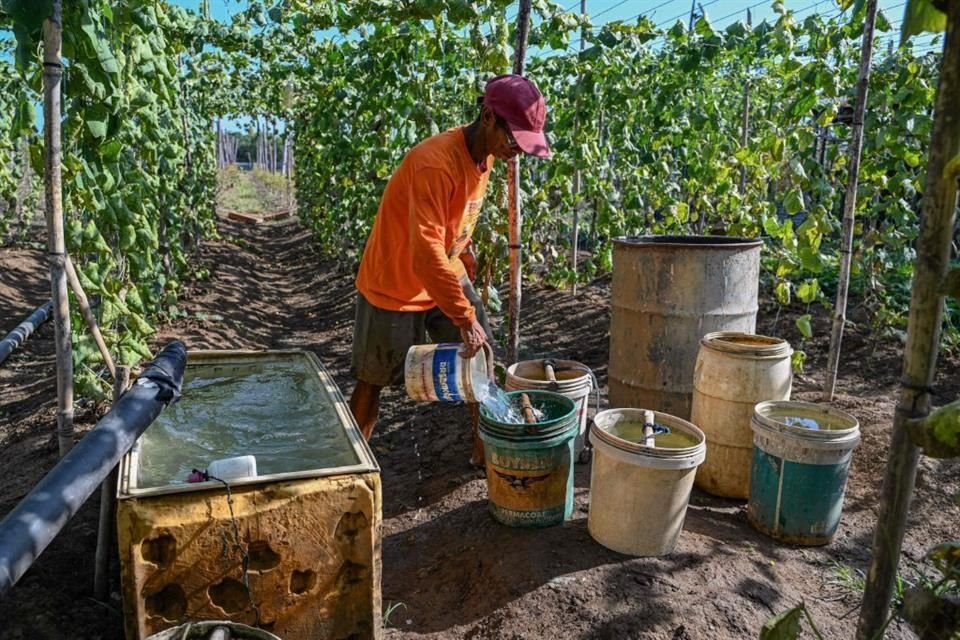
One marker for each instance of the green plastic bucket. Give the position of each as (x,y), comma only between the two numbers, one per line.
(798,475)
(530,466)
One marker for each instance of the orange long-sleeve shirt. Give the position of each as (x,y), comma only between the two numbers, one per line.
(425,220)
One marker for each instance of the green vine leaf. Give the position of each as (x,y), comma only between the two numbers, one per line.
(785,626)
(921,16)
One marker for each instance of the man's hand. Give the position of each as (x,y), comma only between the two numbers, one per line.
(469,260)
(473,337)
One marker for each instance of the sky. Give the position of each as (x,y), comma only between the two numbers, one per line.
(662,12)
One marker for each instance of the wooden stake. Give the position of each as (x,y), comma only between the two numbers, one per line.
(513,198)
(577,176)
(528,415)
(108,503)
(850,202)
(745,120)
(88,316)
(549,372)
(56,244)
(923,335)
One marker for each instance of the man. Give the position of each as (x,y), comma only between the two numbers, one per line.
(415,275)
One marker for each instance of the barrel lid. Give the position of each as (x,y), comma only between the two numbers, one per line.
(690,242)
(747,344)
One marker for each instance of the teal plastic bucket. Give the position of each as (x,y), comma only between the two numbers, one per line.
(530,466)
(798,475)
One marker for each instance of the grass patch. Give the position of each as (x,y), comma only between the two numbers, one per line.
(254,191)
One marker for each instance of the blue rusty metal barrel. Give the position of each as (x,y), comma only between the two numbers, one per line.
(667,293)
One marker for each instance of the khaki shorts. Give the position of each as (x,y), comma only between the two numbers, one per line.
(381,338)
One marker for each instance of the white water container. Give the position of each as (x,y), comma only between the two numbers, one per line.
(438,373)
(234,468)
(639,493)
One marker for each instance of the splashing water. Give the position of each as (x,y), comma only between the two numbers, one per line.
(500,407)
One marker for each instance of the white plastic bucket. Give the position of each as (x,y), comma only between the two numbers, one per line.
(573,380)
(437,373)
(639,494)
(203,630)
(234,468)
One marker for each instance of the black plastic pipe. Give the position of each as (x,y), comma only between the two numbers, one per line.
(27,530)
(19,335)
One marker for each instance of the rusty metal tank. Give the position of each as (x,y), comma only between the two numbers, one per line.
(290,545)
(667,293)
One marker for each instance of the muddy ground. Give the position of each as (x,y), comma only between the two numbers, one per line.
(449,570)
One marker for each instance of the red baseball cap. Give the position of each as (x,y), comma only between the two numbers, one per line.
(521,105)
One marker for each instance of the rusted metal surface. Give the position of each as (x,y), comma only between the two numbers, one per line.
(308,549)
(667,293)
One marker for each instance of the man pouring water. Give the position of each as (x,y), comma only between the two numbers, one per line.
(415,278)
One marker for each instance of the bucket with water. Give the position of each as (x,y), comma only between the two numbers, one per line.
(566,377)
(530,466)
(640,484)
(801,455)
(437,372)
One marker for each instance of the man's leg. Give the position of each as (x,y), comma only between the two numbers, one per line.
(381,339)
(365,406)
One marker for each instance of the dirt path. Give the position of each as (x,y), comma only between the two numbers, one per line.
(449,569)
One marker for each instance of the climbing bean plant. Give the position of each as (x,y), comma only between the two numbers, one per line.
(17,112)
(652,117)
(138,167)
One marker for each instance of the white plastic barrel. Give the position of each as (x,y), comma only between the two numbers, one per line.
(734,372)
(573,380)
(638,493)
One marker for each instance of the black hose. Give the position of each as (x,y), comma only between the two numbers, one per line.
(23,330)
(27,530)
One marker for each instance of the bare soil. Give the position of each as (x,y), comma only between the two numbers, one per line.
(449,570)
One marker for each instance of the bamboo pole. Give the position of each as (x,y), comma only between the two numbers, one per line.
(88,316)
(108,503)
(923,335)
(850,202)
(577,176)
(56,244)
(220,149)
(745,120)
(513,198)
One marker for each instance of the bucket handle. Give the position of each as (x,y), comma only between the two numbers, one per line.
(488,357)
(594,385)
